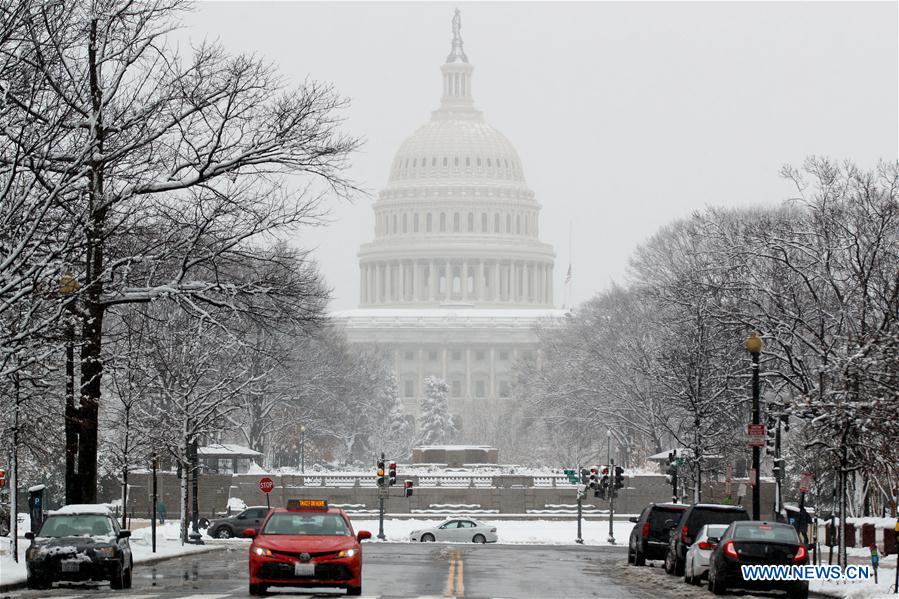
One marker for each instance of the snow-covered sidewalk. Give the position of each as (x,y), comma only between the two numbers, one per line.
(528,532)
(167,545)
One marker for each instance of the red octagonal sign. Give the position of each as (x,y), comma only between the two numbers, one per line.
(266,484)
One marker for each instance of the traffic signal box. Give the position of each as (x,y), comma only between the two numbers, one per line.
(602,485)
(391,474)
(594,479)
(407,488)
(671,470)
(381,480)
(619,477)
(2,478)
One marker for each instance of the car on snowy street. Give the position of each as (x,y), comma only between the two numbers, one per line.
(751,543)
(307,544)
(696,566)
(76,543)
(233,526)
(695,517)
(460,530)
(649,537)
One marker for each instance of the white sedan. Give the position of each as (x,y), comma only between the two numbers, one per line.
(460,530)
(696,564)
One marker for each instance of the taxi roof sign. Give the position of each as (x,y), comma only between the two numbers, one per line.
(307,504)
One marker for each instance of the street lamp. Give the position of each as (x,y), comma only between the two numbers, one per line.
(69,285)
(754,346)
(302,449)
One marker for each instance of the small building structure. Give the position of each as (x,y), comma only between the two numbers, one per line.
(456,456)
(226,458)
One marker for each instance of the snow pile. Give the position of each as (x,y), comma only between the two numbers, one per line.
(102,509)
(255,469)
(886,575)
(236,504)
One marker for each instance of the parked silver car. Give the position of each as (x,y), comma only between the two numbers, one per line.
(460,530)
(696,565)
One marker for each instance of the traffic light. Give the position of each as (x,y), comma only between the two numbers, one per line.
(771,434)
(594,481)
(779,468)
(585,476)
(671,470)
(604,478)
(2,478)
(619,477)
(407,488)
(381,480)
(391,474)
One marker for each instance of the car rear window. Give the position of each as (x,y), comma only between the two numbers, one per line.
(701,517)
(658,516)
(766,532)
(76,525)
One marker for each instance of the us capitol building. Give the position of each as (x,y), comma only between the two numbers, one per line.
(456,277)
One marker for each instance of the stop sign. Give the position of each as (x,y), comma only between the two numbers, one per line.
(266,484)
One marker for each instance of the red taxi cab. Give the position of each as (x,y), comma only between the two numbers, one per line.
(308,544)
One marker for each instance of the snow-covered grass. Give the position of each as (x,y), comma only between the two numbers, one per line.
(886,576)
(526,532)
(168,544)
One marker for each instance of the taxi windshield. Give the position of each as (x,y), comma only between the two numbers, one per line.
(287,523)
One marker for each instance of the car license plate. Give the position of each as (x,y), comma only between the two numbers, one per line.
(304,569)
(70,566)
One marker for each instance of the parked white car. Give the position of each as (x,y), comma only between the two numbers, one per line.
(696,564)
(460,530)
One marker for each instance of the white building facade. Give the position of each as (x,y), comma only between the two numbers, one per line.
(456,276)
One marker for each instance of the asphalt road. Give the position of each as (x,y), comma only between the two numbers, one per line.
(417,570)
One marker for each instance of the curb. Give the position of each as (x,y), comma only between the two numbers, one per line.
(14,586)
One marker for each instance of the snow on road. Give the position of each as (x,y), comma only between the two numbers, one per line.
(167,545)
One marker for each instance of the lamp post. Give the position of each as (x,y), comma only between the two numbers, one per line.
(302,449)
(69,285)
(754,346)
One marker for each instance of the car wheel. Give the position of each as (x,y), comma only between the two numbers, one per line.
(639,557)
(38,583)
(224,532)
(257,589)
(716,587)
(479,539)
(354,591)
(126,579)
(688,576)
(630,556)
(678,567)
(118,579)
(669,564)
(427,538)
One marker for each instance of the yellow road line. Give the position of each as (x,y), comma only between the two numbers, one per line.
(451,579)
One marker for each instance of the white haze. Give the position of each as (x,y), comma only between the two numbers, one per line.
(625,115)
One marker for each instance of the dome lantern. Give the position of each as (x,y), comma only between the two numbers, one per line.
(457,75)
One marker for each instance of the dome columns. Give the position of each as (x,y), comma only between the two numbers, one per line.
(476,281)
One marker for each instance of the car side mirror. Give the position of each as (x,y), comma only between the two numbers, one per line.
(363,534)
(124,534)
(29,535)
(248,533)
(634,519)
(241,516)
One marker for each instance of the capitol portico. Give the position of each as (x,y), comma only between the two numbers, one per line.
(456,276)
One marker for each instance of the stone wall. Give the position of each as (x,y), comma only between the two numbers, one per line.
(504,494)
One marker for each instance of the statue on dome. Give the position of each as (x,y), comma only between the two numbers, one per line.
(457,53)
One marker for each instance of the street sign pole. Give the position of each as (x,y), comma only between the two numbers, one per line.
(155,499)
(381,493)
(611,503)
(579,540)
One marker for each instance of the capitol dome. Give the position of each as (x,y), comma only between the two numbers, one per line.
(456,223)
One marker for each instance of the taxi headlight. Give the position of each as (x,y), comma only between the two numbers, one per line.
(262,551)
(347,553)
(105,551)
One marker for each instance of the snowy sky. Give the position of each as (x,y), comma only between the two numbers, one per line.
(625,115)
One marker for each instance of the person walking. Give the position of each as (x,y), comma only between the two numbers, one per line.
(160,511)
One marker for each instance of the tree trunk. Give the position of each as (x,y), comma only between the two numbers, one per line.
(91,361)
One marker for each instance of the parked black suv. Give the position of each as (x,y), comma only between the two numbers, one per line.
(79,542)
(233,526)
(649,538)
(694,518)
